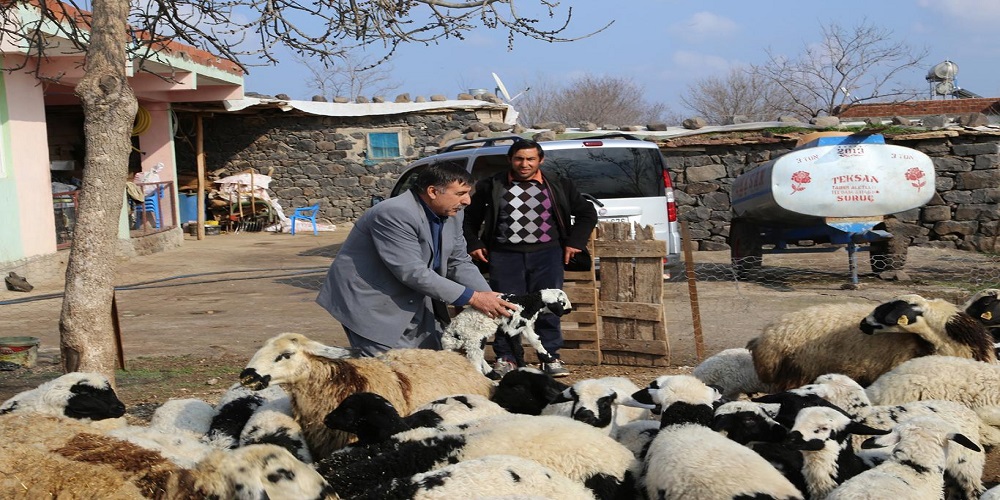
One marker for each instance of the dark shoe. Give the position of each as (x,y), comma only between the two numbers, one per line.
(503,366)
(555,369)
(17,283)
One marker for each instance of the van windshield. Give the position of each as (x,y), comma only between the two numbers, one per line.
(610,172)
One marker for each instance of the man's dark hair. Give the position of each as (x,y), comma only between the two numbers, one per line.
(525,144)
(440,175)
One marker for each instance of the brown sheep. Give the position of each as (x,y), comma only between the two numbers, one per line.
(318,377)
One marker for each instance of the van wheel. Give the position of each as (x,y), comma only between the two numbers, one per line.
(745,248)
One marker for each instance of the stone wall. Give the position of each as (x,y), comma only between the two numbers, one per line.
(964,212)
(321,159)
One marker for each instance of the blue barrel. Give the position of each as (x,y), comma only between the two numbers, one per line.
(188,207)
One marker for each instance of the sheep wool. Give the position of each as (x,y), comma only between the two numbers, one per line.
(967,381)
(317,378)
(598,402)
(826,338)
(733,371)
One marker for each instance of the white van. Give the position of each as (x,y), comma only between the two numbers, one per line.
(625,177)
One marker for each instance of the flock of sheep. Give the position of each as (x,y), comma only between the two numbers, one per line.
(900,400)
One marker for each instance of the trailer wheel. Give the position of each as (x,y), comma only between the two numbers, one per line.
(745,247)
(887,255)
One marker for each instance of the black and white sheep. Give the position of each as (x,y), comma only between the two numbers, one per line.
(527,390)
(828,338)
(571,448)
(984,306)
(947,328)
(752,424)
(493,476)
(732,371)
(687,459)
(822,434)
(470,329)
(318,377)
(190,416)
(915,466)
(237,406)
(454,410)
(78,395)
(964,467)
(598,402)
(272,426)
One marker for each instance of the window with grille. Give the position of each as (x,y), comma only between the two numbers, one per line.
(383,145)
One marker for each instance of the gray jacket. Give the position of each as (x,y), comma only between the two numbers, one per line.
(382,275)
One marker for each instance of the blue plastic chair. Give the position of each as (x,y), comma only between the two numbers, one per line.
(150,205)
(306,213)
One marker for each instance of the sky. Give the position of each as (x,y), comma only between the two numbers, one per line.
(667,45)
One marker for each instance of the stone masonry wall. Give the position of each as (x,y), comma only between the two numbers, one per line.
(319,159)
(964,213)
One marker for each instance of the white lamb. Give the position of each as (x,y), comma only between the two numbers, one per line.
(732,371)
(687,459)
(190,416)
(598,402)
(915,467)
(470,329)
(271,426)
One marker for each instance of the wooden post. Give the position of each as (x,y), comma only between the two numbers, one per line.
(200,155)
(699,342)
(117,327)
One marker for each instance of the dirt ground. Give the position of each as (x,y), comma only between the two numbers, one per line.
(192,316)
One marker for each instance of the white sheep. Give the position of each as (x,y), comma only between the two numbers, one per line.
(598,402)
(950,330)
(574,449)
(972,383)
(732,370)
(493,476)
(454,410)
(78,395)
(318,377)
(687,459)
(470,329)
(189,416)
(637,435)
(915,467)
(181,448)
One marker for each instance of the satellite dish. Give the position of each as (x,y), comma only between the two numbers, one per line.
(943,71)
(501,88)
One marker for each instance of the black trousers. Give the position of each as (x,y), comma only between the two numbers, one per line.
(524,272)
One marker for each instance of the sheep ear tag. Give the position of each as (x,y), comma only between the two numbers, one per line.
(903,320)
(986,315)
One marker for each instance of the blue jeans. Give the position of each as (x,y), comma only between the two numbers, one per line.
(524,272)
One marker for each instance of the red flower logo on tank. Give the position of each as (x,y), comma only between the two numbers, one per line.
(799,180)
(914,175)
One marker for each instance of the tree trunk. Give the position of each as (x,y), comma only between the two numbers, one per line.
(109,107)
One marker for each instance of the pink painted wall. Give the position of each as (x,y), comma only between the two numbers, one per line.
(158,145)
(30,165)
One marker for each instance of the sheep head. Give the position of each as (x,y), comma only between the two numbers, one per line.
(74,395)
(985,306)
(285,359)
(556,301)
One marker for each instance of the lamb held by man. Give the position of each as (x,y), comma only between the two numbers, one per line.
(470,329)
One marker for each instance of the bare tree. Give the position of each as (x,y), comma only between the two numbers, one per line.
(590,98)
(116,31)
(849,65)
(357,75)
(741,92)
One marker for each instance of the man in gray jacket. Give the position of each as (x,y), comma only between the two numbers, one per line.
(403,262)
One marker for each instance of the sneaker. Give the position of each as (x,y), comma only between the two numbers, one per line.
(555,369)
(501,367)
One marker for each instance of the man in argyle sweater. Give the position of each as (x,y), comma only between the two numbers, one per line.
(525,225)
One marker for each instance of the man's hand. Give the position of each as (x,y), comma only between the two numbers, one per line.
(490,304)
(568,253)
(479,254)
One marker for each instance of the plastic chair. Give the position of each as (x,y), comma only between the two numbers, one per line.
(151,205)
(306,213)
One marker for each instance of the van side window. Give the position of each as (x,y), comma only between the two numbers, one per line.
(610,172)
